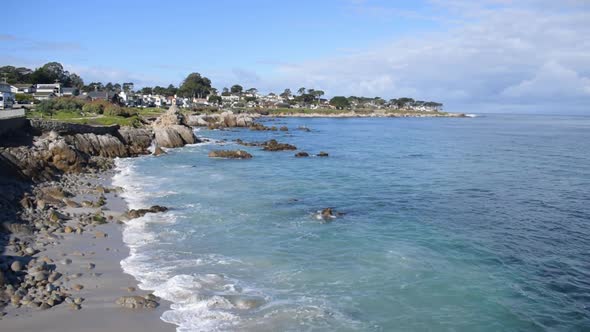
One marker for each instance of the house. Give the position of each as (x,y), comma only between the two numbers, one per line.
(24,88)
(6,96)
(101,95)
(69,92)
(47,91)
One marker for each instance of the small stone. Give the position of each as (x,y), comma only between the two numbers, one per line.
(78,300)
(91,266)
(131,289)
(74,306)
(77,287)
(68,230)
(16,266)
(66,261)
(100,234)
(30,251)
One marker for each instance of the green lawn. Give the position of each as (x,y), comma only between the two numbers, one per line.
(91,119)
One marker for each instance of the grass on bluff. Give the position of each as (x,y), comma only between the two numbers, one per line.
(87,118)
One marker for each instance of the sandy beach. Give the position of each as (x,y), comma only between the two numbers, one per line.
(91,259)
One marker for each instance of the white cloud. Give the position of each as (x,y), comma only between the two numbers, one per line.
(506,53)
(551,80)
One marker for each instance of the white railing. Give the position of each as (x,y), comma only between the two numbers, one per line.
(9,114)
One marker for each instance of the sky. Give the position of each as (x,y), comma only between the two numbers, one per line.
(479,56)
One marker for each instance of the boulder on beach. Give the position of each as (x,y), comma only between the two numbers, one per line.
(230,154)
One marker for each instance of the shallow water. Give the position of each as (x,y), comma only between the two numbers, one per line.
(451,224)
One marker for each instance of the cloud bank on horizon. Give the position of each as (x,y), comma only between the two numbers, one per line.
(494,55)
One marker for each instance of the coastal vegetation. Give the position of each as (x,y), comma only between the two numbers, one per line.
(195,94)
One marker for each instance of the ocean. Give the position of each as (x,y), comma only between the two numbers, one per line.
(449,224)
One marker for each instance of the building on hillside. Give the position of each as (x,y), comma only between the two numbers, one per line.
(24,88)
(101,95)
(69,92)
(7,97)
(47,91)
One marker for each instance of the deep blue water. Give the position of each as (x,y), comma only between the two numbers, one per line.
(472,224)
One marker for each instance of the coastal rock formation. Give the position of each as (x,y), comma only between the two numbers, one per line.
(273,145)
(230,154)
(323,154)
(106,146)
(137,140)
(225,119)
(171,130)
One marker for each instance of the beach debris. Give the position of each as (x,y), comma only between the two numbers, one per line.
(230,154)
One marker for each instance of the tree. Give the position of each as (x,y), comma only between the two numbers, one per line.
(195,86)
(225,92)
(158,90)
(340,102)
(171,90)
(403,102)
(76,81)
(128,87)
(286,94)
(236,89)
(214,99)
(109,86)
(117,87)
(147,90)
(319,94)
(213,91)
(252,91)
(301,91)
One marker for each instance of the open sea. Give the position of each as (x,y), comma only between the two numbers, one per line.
(451,224)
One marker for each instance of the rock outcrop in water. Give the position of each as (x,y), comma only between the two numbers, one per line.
(172,131)
(273,145)
(230,154)
(223,120)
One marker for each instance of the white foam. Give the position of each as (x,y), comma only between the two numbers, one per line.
(195,307)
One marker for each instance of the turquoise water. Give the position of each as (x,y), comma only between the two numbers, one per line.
(473,224)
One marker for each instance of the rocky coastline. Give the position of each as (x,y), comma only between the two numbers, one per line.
(56,195)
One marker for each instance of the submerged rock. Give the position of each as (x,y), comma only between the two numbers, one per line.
(323,154)
(230,154)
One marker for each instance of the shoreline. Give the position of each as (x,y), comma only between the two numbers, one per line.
(96,254)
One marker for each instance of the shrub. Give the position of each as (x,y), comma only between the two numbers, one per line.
(96,107)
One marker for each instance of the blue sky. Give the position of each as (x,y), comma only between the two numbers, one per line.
(493,55)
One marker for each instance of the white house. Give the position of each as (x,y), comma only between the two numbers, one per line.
(47,91)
